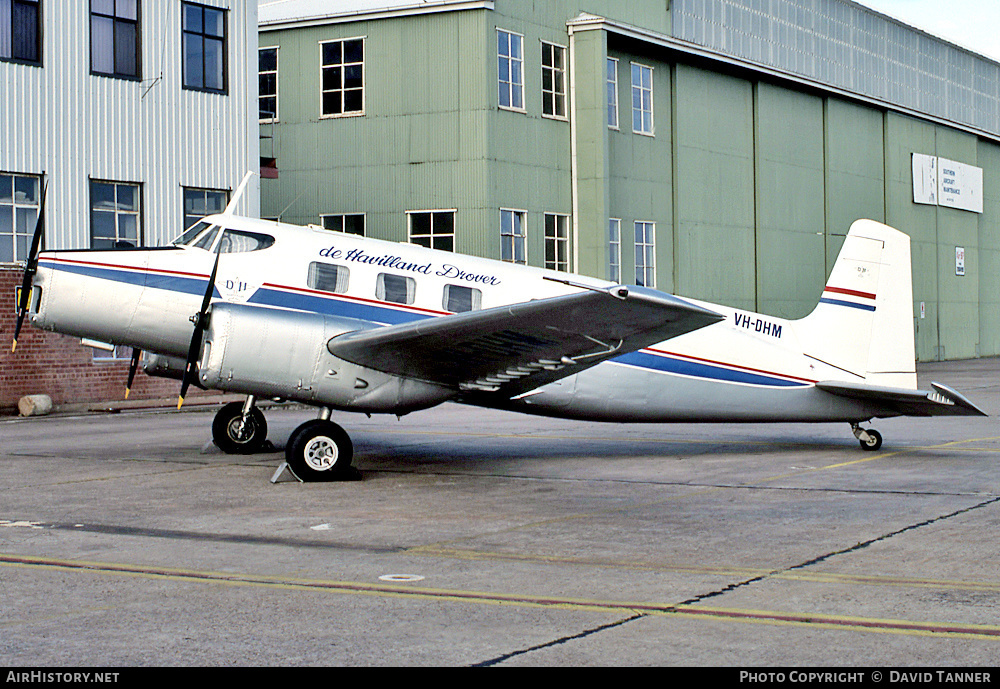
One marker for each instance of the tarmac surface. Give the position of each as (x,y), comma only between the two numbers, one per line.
(482,538)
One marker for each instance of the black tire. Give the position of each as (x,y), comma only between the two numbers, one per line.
(235,437)
(320,450)
(874,441)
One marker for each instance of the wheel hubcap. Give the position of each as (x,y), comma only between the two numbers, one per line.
(321,453)
(239,431)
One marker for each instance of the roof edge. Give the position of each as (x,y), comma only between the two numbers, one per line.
(402,10)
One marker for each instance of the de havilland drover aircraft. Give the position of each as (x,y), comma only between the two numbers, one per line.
(348,323)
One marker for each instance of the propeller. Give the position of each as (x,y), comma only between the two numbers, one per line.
(136,354)
(200,323)
(30,267)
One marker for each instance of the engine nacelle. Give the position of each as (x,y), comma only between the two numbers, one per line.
(277,353)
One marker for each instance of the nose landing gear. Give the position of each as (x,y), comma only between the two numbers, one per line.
(239,428)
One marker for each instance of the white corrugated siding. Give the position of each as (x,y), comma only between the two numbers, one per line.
(73,126)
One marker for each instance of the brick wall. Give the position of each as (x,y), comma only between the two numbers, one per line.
(59,366)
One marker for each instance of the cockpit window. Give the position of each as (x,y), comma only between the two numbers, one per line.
(240,241)
(206,240)
(191,233)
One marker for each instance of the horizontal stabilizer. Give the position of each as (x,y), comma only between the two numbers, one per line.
(522,346)
(942,402)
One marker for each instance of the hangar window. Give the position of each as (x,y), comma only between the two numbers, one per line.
(20,31)
(512,236)
(351,223)
(18,214)
(433,229)
(398,289)
(510,69)
(201,202)
(328,277)
(204,34)
(115,215)
(645,254)
(267,81)
(642,99)
(557,242)
(343,77)
(114,38)
(459,298)
(553,81)
(612,93)
(615,249)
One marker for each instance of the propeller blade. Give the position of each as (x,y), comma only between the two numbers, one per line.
(201,321)
(30,267)
(136,354)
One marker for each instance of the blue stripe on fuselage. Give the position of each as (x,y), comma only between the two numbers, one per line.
(339,306)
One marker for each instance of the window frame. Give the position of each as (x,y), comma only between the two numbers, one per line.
(201,190)
(560,226)
(554,94)
(475,301)
(615,250)
(431,235)
(37,61)
(260,94)
(515,239)
(324,217)
(14,206)
(646,128)
(381,293)
(612,94)
(115,20)
(648,250)
(224,90)
(138,213)
(511,61)
(343,90)
(342,282)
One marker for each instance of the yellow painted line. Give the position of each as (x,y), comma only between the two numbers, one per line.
(772,617)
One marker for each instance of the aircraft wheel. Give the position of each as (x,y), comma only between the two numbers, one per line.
(236,437)
(320,450)
(874,441)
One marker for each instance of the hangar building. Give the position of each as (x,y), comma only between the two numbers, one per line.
(716,149)
(138,115)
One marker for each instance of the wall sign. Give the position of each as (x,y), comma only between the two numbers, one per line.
(949,183)
(959,260)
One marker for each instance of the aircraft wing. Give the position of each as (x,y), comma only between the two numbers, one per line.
(943,401)
(519,347)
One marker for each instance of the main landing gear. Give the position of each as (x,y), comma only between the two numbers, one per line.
(320,450)
(869,438)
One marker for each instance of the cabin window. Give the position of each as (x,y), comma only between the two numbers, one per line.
(433,229)
(18,215)
(241,241)
(114,38)
(398,289)
(459,298)
(20,31)
(328,277)
(342,87)
(115,215)
(557,242)
(203,32)
(351,223)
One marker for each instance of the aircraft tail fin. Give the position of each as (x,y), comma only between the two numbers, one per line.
(863,323)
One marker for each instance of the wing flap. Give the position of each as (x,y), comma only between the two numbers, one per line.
(942,401)
(518,347)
